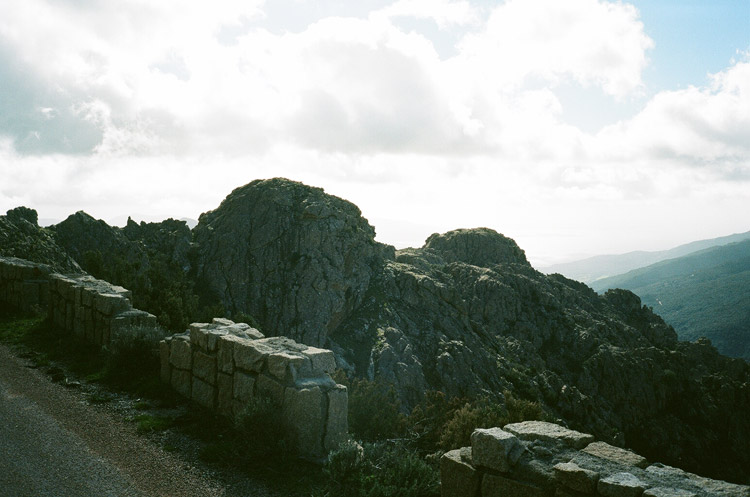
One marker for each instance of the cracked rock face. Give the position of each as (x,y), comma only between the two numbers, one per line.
(21,236)
(294,258)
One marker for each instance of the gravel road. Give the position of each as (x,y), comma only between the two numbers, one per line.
(52,443)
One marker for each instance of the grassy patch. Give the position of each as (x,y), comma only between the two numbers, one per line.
(148,423)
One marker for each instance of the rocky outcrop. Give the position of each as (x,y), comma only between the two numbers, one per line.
(228,366)
(95,245)
(170,238)
(479,247)
(21,236)
(464,314)
(535,458)
(298,260)
(604,363)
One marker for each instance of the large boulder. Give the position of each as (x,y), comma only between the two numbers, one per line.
(296,259)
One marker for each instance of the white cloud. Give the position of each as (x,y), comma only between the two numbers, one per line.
(167,119)
(695,127)
(593,42)
(445,13)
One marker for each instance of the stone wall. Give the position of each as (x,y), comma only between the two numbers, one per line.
(92,310)
(539,459)
(98,312)
(24,284)
(227,366)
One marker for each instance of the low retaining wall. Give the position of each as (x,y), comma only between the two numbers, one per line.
(93,310)
(538,459)
(24,284)
(98,312)
(227,366)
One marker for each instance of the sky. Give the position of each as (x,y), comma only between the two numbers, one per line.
(575,127)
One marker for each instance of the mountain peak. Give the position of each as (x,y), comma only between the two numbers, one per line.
(477,246)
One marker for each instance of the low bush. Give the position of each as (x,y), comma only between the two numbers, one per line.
(380,469)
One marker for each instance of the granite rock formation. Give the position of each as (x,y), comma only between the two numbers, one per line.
(298,260)
(21,236)
(467,315)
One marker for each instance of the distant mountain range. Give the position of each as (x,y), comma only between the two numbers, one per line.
(706,293)
(602,266)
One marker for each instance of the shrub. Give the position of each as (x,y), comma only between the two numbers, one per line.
(379,469)
(484,413)
(374,409)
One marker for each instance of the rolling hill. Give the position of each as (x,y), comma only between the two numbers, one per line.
(603,266)
(703,294)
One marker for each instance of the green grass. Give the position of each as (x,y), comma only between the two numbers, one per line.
(149,423)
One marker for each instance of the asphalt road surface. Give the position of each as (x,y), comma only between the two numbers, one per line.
(53,444)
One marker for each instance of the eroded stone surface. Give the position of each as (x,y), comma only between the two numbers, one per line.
(615,454)
(495,448)
(542,430)
(621,485)
(499,486)
(461,479)
(576,478)
(668,492)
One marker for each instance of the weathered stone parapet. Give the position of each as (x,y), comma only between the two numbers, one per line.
(542,459)
(24,284)
(98,312)
(227,366)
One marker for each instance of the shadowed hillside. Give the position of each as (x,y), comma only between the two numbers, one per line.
(706,294)
(465,315)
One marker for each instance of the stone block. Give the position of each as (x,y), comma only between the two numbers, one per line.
(69,316)
(621,485)
(166,368)
(76,296)
(269,388)
(198,335)
(304,413)
(244,330)
(222,322)
(182,382)
(111,304)
(204,367)
(212,339)
(181,355)
(576,478)
(225,353)
(615,454)
(668,492)
(499,486)
(542,430)
(244,386)
(251,355)
(106,334)
(78,328)
(87,297)
(224,393)
(285,366)
(337,425)
(98,332)
(322,361)
(203,393)
(458,478)
(495,449)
